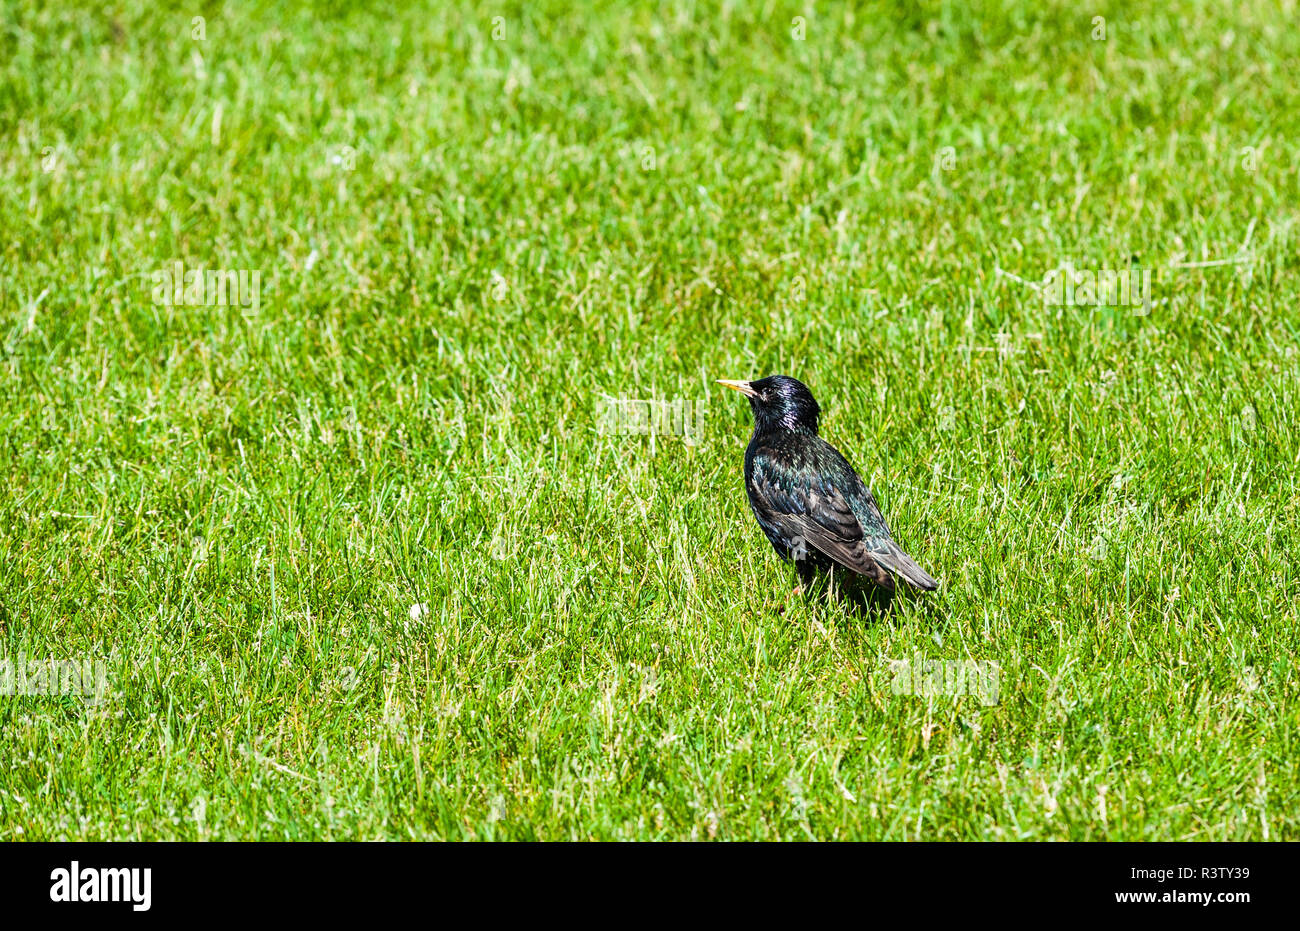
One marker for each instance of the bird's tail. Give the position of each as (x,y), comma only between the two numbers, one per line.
(904,566)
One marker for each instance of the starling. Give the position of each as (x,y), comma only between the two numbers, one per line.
(812,505)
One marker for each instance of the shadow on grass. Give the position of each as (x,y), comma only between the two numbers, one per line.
(867,602)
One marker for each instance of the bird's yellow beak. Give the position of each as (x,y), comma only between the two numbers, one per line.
(741,386)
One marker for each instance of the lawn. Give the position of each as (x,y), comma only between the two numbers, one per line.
(361,553)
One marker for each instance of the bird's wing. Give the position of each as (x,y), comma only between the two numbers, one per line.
(823,516)
(881,544)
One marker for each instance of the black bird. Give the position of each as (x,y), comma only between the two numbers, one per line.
(812,505)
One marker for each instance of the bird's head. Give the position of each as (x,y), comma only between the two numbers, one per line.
(779,402)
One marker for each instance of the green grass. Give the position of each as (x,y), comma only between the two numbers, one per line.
(236,511)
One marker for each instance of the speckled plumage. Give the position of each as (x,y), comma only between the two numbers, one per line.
(807,498)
